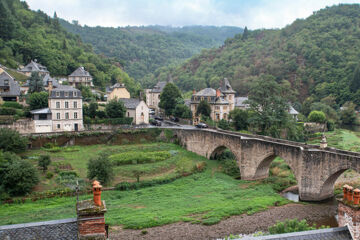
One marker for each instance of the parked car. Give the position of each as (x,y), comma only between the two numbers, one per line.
(201,125)
(174,119)
(158,118)
(155,122)
(151,111)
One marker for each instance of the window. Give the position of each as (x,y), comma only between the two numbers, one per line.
(66,115)
(66,104)
(58,94)
(128,114)
(75,93)
(75,104)
(57,104)
(75,115)
(66,94)
(58,126)
(224,107)
(58,116)
(6,82)
(217,107)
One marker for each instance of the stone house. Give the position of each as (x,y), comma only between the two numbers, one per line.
(136,109)
(221,101)
(118,91)
(65,104)
(80,77)
(9,88)
(42,120)
(34,66)
(153,96)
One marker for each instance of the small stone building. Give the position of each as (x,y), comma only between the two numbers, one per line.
(136,109)
(9,88)
(34,66)
(118,90)
(80,77)
(42,120)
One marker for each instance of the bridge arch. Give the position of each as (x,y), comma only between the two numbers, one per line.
(218,149)
(263,166)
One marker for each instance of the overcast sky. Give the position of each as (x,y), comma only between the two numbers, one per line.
(251,13)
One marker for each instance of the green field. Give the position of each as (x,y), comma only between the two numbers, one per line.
(205,197)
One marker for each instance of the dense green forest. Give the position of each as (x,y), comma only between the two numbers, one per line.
(317,57)
(26,35)
(141,50)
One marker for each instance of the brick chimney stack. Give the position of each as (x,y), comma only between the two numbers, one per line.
(50,86)
(218,93)
(349,211)
(90,216)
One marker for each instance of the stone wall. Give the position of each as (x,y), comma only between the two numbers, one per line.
(350,216)
(23,126)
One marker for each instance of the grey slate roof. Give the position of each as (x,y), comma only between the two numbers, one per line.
(340,233)
(62,89)
(292,111)
(130,103)
(187,102)
(65,229)
(116,85)
(239,102)
(41,111)
(207,92)
(34,66)
(158,87)
(46,79)
(226,87)
(80,72)
(14,88)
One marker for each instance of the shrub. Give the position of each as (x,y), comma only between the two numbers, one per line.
(12,105)
(231,168)
(115,109)
(20,177)
(330,125)
(44,162)
(290,225)
(184,166)
(317,116)
(49,175)
(7,111)
(223,124)
(11,141)
(100,168)
(133,157)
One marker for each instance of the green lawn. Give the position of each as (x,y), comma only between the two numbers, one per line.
(201,198)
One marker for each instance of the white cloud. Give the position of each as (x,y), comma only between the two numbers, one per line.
(254,14)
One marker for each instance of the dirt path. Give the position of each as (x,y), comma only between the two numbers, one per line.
(232,225)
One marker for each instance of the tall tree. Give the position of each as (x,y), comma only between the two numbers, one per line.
(203,109)
(35,83)
(38,100)
(245,34)
(355,82)
(269,106)
(168,98)
(115,109)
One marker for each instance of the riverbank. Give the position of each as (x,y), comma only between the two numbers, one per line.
(244,223)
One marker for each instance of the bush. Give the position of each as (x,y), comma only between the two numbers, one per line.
(223,124)
(290,225)
(12,105)
(44,162)
(20,177)
(38,100)
(231,168)
(115,109)
(11,141)
(133,157)
(100,168)
(330,125)
(7,111)
(184,166)
(49,175)
(317,116)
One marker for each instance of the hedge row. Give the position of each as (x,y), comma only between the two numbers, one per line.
(133,157)
(112,121)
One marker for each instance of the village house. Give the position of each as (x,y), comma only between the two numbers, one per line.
(9,88)
(221,101)
(118,91)
(34,66)
(153,96)
(80,77)
(136,109)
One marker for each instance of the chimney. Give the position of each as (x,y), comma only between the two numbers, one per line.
(349,211)
(140,95)
(90,216)
(218,93)
(50,86)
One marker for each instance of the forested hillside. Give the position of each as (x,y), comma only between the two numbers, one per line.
(317,56)
(26,35)
(141,50)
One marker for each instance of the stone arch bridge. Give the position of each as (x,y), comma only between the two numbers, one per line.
(315,169)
